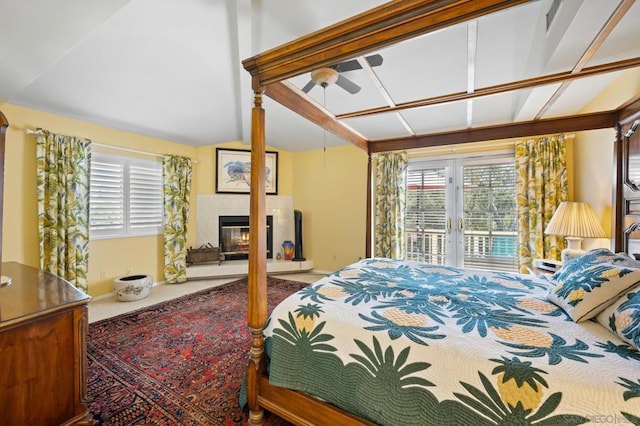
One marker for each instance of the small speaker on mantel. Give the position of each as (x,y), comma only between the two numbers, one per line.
(297,225)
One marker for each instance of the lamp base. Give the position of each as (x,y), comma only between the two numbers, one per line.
(573,250)
(567,255)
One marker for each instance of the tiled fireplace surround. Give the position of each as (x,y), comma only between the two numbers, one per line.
(209,207)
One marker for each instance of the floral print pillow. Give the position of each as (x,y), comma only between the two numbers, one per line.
(589,284)
(623,317)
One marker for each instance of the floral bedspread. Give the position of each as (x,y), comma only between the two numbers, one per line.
(407,343)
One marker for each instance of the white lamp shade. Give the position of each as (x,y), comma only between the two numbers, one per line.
(573,219)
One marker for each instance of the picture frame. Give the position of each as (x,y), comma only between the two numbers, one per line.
(233,171)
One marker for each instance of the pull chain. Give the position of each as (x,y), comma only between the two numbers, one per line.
(324,133)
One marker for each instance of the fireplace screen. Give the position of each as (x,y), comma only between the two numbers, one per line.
(234,237)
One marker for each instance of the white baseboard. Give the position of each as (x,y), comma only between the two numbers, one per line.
(113,294)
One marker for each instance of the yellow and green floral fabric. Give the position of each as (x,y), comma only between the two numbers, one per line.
(62,164)
(541,185)
(176,177)
(407,343)
(390,204)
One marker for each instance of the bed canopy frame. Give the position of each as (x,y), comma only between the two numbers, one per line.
(385,25)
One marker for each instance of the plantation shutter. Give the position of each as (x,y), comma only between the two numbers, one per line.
(106,196)
(490,221)
(426,215)
(145,207)
(125,196)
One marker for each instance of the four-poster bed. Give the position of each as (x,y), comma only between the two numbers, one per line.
(380,27)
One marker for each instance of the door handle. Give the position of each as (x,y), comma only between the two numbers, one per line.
(460,224)
(449,225)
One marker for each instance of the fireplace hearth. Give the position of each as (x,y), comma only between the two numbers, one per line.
(233,237)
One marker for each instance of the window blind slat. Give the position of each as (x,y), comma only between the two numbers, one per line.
(125,196)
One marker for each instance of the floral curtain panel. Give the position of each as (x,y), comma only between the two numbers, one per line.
(63,164)
(176,176)
(390,205)
(541,185)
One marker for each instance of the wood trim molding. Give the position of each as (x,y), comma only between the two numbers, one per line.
(630,111)
(302,409)
(369,210)
(599,120)
(297,102)
(617,192)
(599,39)
(501,88)
(4,125)
(379,27)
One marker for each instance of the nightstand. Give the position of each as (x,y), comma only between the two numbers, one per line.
(538,272)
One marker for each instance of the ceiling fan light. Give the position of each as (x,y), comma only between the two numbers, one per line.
(324,76)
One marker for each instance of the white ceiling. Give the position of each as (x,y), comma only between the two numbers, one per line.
(172,69)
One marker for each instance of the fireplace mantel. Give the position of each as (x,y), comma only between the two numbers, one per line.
(234,268)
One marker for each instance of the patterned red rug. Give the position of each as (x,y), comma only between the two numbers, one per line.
(177,362)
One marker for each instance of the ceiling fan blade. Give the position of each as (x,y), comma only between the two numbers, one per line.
(347,84)
(374,60)
(307,87)
(353,64)
(345,66)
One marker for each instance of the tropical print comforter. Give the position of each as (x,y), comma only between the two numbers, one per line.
(406,343)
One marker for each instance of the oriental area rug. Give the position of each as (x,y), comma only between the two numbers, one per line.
(180,362)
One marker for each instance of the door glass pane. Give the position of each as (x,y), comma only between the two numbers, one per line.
(426,214)
(490,221)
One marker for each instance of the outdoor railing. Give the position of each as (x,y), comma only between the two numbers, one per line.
(482,249)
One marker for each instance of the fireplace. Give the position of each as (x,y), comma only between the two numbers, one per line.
(233,236)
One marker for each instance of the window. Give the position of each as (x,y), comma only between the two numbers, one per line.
(125,196)
(462,212)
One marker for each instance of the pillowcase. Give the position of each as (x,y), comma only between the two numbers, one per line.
(598,255)
(623,317)
(588,284)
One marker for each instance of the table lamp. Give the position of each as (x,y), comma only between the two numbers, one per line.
(574,221)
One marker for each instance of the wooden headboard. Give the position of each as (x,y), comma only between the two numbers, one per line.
(626,197)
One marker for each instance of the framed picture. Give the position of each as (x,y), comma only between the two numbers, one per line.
(233,171)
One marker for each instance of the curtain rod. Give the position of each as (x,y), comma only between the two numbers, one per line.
(120,148)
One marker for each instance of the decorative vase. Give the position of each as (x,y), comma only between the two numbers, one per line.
(287,247)
(132,287)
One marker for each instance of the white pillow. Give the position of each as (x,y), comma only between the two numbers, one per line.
(590,283)
(623,317)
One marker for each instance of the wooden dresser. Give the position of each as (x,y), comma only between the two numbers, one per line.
(43,341)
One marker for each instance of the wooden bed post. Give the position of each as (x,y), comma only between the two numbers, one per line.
(369,219)
(4,124)
(257,287)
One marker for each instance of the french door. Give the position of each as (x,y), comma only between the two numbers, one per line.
(462,212)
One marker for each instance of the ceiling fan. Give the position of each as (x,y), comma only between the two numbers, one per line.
(332,74)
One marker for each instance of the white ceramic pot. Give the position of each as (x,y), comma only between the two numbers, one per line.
(132,287)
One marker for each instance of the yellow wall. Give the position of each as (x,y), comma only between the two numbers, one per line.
(331,192)
(593,155)
(329,188)
(206,167)
(109,258)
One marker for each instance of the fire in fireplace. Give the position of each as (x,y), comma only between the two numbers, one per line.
(233,237)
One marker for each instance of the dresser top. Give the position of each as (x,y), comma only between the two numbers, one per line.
(33,293)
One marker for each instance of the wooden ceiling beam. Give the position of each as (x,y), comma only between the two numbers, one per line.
(592,121)
(501,88)
(382,26)
(599,39)
(297,102)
